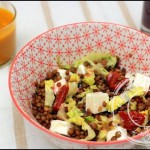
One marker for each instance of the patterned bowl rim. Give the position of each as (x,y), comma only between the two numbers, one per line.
(48,132)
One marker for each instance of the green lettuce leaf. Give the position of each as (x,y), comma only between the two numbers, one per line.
(89,119)
(118,101)
(81,95)
(49,94)
(111,60)
(74,78)
(74,115)
(60,65)
(88,90)
(100,70)
(73,88)
(89,77)
(102,135)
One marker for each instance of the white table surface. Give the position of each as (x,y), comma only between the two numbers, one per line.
(34,18)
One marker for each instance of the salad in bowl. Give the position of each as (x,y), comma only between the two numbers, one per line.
(85,85)
(93,99)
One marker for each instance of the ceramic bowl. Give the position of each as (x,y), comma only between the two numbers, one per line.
(72,42)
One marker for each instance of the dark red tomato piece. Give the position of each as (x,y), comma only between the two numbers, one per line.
(138,119)
(116,80)
(60,98)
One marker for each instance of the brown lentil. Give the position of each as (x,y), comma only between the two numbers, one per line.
(42,84)
(58,84)
(45,113)
(67,72)
(73,70)
(49,116)
(71,131)
(46,108)
(39,105)
(104,104)
(93,126)
(89,112)
(43,118)
(104,62)
(54,117)
(118,134)
(147,103)
(38,117)
(114,138)
(138,130)
(54,72)
(49,75)
(81,105)
(77,132)
(98,117)
(36,83)
(86,64)
(148,93)
(140,106)
(67,78)
(100,108)
(82,136)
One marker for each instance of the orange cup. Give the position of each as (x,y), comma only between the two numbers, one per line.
(7,31)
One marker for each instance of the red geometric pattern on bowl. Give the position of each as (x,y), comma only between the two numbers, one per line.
(72,42)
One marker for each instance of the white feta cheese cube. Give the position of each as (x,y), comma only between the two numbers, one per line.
(142,81)
(61,127)
(81,69)
(62,73)
(131,79)
(56,87)
(94,102)
(112,133)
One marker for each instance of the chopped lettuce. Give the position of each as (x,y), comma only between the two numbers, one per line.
(89,119)
(75,112)
(136,91)
(73,88)
(81,95)
(100,70)
(74,115)
(118,101)
(59,63)
(89,80)
(74,78)
(146,114)
(80,122)
(91,133)
(111,60)
(76,120)
(49,84)
(116,119)
(89,77)
(133,105)
(89,90)
(102,135)
(70,103)
(49,94)
(115,103)
(103,118)
(93,87)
